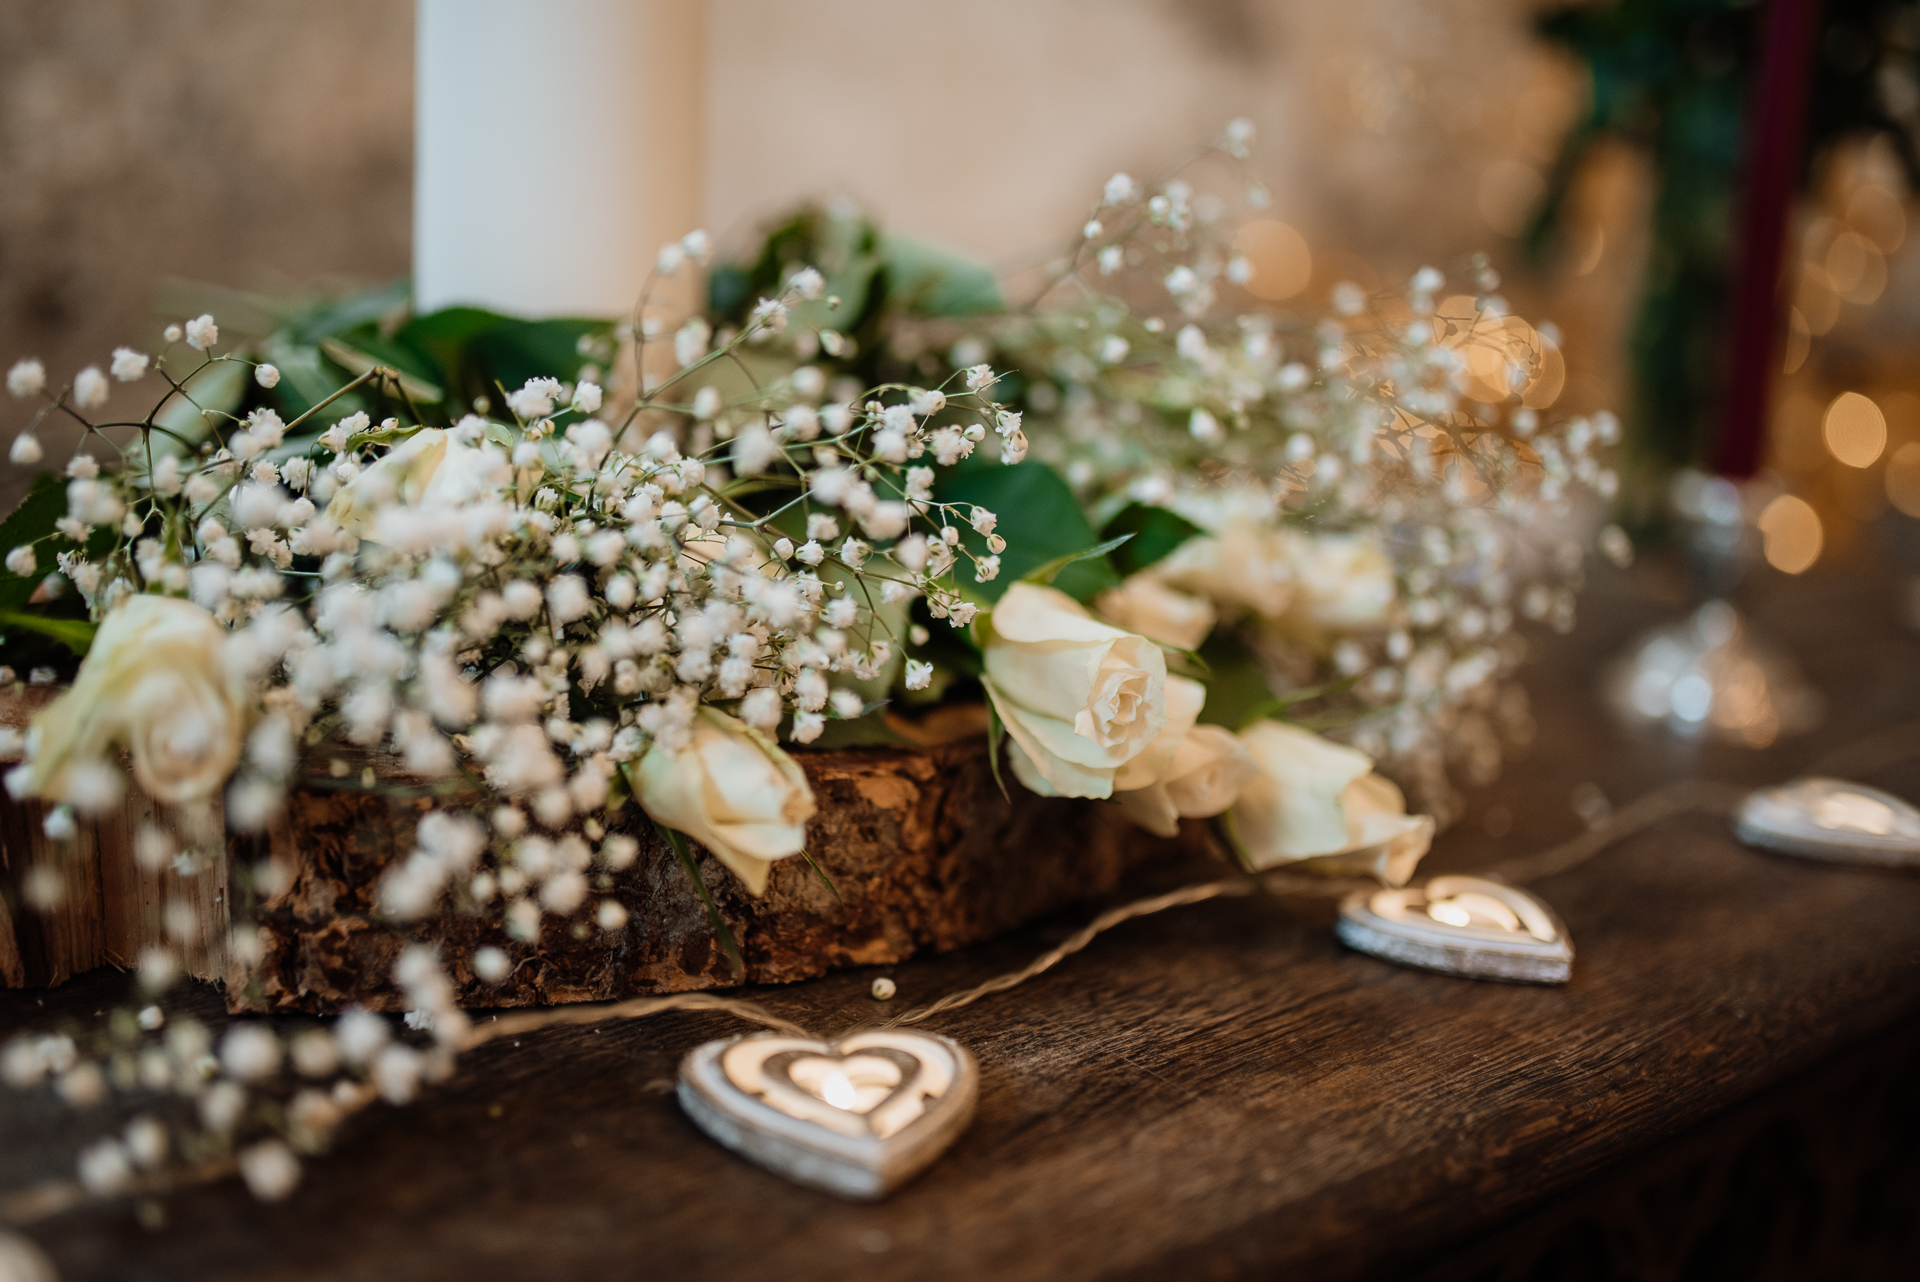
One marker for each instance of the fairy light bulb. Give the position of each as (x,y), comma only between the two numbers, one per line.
(837,1089)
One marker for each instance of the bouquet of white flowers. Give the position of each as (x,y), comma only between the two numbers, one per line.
(1212,566)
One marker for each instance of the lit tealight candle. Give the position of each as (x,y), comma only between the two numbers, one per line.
(856,1117)
(1831,819)
(1463,926)
(1471,909)
(838,1091)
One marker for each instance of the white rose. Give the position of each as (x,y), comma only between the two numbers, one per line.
(1342,582)
(1244,568)
(1144,604)
(153,682)
(733,790)
(400,476)
(1189,771)
(1079,699)
(1314,799)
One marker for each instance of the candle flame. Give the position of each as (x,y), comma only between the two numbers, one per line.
(837,1090)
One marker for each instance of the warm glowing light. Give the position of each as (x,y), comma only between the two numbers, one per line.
(1849,811)
(1470,908)
(1856,268)
(1816,299)
(1282,264)
(1903,478)
(1855,429)
(1504,355)
(1790,533)
(1847,260)
(837,1090)
(1875,213)
(856,1084)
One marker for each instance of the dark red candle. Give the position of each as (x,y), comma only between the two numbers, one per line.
(1776,116)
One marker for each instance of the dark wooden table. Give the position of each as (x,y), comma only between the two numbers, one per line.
(1725,1089)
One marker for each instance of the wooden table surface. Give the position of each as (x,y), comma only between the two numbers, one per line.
(1221,1091)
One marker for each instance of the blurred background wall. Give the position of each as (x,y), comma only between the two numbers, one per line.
(256,143)
(263,143)
(247,142)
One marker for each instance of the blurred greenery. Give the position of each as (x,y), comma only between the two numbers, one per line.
(1674,77)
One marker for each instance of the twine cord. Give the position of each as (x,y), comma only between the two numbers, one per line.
(41,1201)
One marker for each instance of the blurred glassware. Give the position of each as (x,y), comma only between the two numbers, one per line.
(1710,673)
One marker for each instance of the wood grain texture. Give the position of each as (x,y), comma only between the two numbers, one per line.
(923,850)
(1218,1092)
(110,907)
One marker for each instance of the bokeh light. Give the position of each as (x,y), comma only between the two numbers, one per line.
(1855,429)
(1791,534)
(1282,264)
(1903,478)
(1875,212)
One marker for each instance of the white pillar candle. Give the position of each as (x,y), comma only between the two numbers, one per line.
(556,148)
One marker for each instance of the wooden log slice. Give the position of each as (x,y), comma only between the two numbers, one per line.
(923,849)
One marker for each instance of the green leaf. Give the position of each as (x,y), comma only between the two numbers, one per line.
(336,316)
(31,522)
(996,732)
(370,351)
(75,634)
(1237,688)
(1046,574)
(728,945)
(512,353)
(825,880)
(305,378)
(473,349)
(1040,520)
(1157,532)
(448,329)
(728,285)
(843,248)
(216,390)
(929,281)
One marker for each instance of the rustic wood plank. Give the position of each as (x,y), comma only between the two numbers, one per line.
(68,938)
(134,899)
(1217,1092)
(111,907)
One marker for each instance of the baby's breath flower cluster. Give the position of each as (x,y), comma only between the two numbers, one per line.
(541,598)
(254,1097)
(748,529)
(560,604)
(1407,425)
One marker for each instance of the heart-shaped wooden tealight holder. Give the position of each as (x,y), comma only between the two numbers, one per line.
(1831,819)
(858,1117)
(1463,926)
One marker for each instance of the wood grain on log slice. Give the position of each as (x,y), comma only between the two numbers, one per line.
(925,852)
(109,907)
